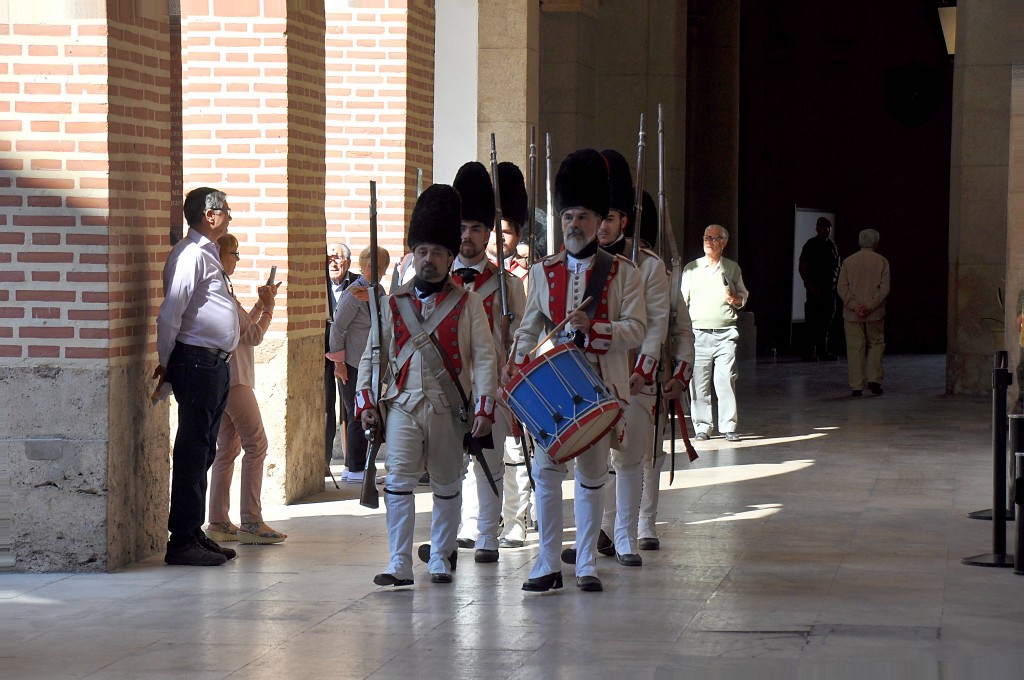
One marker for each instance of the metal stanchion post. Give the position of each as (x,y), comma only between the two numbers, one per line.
(1001,379)
(1018,500)
(1016,447)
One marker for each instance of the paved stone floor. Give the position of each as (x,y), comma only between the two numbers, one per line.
(826,543)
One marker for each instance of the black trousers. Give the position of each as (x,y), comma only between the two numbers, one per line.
(335,407)
(355,440)
(819,310)
(200,381)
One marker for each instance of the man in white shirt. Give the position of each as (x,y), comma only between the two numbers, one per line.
(714,292)
(197,329)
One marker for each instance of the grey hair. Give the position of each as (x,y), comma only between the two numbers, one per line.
(868,238)
(725,232)
(198,201)
(345,250)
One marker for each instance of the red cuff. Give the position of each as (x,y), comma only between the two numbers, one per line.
(599,339)
(683,372)
(364,402)
(521,359)
(645,366)
(485,408)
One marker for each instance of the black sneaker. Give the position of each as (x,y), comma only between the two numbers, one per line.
(192,554)
(213,546)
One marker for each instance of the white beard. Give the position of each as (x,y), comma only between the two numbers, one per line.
(576,243)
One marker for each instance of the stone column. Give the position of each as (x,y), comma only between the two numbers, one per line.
(508,90)
(978,196)
(712,120)
(1015,203)
(253,126)
(83,221)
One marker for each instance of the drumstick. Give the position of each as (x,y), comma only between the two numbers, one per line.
(561,325)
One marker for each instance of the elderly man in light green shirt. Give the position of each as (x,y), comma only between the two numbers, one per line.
(713,290)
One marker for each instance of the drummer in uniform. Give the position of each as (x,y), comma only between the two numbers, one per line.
(435,338)
(516,506)
(471,269)
(635,477)
(612,324)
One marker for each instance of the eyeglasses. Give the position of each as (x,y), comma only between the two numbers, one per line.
(715,239)
(226,210)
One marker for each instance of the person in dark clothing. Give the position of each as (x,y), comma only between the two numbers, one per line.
(819,269)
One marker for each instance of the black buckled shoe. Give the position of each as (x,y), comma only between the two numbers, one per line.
(542,584)
(569,555)
(649,544)
(629,560)
(423,552)
(484,556)
(213,546)
(605,546)
(391,580)
(440,578)
(590,584)
(510,543)
(465,543)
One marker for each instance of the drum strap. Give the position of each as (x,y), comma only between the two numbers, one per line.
(422,339)
(602,267)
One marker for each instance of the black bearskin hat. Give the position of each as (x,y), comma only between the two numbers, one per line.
(621,180)
(512,190)
(648,222)
(582,181)
(473,183)
(437,219)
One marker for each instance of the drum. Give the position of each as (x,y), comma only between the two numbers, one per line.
(562,403)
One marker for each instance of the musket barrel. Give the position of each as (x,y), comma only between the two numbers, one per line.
(638,199)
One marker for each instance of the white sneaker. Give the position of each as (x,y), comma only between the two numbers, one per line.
(354,477)
(344,474)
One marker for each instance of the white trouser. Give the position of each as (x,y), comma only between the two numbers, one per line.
(420,438)
(715,354)
(591,474)
(481,507)
(516,506)
(622,501)
(649,497)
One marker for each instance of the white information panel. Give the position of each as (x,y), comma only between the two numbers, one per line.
(804,220)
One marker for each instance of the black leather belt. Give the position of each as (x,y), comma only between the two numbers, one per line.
(715,330)
(219,353)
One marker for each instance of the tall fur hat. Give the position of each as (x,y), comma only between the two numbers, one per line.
(582,181)
(512,190)
(437,218)
(473,183)
(621,180)
(648,222)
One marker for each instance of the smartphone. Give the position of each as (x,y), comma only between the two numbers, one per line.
(273,273)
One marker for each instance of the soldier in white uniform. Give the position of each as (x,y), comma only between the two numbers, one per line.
(481,506)
(439,353)
(612,324)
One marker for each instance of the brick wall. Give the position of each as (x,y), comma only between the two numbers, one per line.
(380,68)
(54,247)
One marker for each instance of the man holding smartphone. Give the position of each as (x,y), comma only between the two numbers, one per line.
(196,332)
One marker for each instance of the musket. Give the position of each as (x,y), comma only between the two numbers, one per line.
(666,240)
(531,197)
(549,217)
(369,497)
(638,195)
(499,249)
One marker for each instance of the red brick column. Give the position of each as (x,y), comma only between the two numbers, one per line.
(380,125)
(83,210)
(252,126)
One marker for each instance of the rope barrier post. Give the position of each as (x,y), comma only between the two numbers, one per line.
(1018,500)
(1016,447)
(1001,379)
